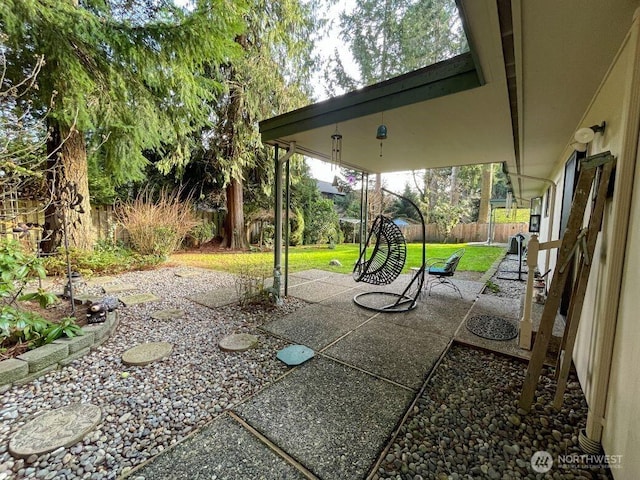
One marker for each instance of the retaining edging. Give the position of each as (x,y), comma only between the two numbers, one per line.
(61,352)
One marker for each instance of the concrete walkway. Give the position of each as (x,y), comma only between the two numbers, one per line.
(331,417)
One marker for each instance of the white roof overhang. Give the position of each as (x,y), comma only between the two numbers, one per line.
(517,98)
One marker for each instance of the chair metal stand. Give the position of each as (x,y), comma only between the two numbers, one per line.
(436,281)
(385,264)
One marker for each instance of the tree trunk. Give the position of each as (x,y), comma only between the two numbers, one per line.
(234,230)
(485,193)
(455,187)
(68,184)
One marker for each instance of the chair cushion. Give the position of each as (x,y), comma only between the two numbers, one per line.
(451,262)
(442,271)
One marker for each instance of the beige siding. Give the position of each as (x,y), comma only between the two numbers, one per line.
(621,434)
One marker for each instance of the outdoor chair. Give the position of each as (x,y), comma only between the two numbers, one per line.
(440,271)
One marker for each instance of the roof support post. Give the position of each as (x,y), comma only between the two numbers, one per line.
(277,248)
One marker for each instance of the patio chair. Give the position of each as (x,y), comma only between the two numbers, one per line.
(440,271)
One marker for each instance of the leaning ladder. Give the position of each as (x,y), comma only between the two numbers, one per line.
(576,239)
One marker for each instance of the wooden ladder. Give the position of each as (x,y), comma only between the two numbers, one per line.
(575,240)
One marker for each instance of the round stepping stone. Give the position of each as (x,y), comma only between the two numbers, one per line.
(238,342)
(168,314)
(295,355)
(62,427)
(146,353)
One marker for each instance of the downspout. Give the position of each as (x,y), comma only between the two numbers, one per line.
(277,248)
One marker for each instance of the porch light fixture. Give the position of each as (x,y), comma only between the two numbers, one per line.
(586,135)
(336,147)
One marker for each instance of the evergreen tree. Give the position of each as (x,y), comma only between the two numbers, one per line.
(392,37)
(125,78)
(269,78)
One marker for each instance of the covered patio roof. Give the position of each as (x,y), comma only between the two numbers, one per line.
(517,98)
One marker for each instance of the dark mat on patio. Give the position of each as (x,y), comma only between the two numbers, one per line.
(224,449)
(333,419)
(492,327)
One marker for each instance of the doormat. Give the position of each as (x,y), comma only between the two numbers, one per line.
(492,327)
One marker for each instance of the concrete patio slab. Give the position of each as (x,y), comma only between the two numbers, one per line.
(216,298)
(436,314)
(222,450)
(344,305)
(315,326)
(312,274)
(341,279)
(293,280)
(493,305)
(316,291)
(470,289)
(498,306)
(331,418)
(391,351)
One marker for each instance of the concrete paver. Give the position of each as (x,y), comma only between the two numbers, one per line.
(222,450)
(316,291)
(331,418)
(315,326)
(394,352)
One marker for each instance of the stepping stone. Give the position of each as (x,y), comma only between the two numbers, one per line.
(168,314)
(62,427)
(97,281)
(139,298)
(118,288)
(86,298)
(188,274)
(146,353)
(238,342)
(295,355)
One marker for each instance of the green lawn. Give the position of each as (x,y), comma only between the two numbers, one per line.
(477,258)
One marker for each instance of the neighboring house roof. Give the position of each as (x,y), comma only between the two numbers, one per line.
(401,222)
(328,188)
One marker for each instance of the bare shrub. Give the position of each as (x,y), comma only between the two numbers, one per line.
(158,224)
(251,280)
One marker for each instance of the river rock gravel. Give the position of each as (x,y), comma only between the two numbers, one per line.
(505,281)
(147,409)
(467,425)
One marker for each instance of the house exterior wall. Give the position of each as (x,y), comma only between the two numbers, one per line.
(613,104)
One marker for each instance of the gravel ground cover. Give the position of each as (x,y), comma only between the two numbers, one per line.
(146,409)
(509,286)
(467,424)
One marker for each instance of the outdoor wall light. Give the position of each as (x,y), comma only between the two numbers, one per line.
(336,147)
(587,134)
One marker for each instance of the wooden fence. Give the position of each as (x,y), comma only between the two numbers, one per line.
(106,226)
(466,232)
(103,217)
